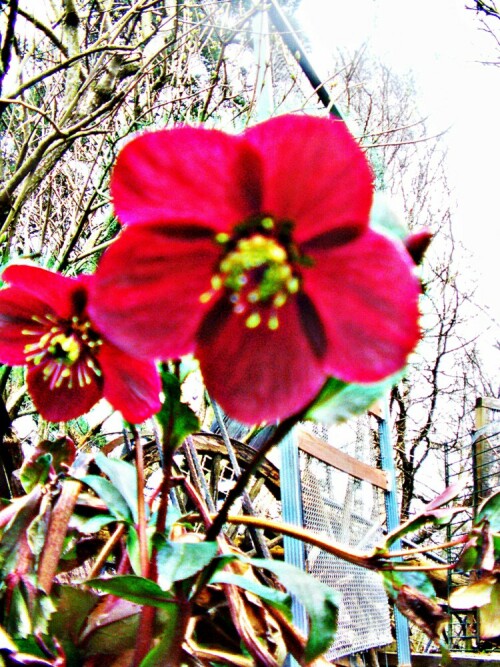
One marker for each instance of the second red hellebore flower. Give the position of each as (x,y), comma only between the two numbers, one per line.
(254,252)
(44,324)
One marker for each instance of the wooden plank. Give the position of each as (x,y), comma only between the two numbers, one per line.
(435,660)
(488,402)
(340,460)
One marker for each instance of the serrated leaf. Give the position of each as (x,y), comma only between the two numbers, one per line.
(319,600)
(273,596)
(180,560)
(123,476)
(339,401)
(135,589)
(73,605)
(114,500)
(25,510)
(175,417)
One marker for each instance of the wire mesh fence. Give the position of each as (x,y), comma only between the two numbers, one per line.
(351,512)
(477,465)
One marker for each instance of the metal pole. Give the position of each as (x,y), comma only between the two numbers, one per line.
(291,40)
(291,508)
(391,506)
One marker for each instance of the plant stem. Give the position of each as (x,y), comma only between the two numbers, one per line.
(147,618)
(365,560)
(423,550)
(56,533)
(141,506)
(106,550)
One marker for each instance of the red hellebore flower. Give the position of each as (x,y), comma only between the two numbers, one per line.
(44,324)
(254,252)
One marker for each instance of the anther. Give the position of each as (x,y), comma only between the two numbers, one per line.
(253,321)
(273,322)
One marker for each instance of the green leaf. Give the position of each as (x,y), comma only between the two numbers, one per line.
(158,656)
(58,455)
(73,606)
(338,401)
(181,560)
(114,500)
(474,595)
(437,517)
(469,558)
(490,510)
(111,628)
(91,524)
(395,580)
(176,418)
(273,596)
(433,512)
(133,550)
(37,533)
(123,475)
(135,589)
(26,509)
(489,618)
(319,600)
(35,472)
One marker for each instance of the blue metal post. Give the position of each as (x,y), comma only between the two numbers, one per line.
(391,506)
(291,508)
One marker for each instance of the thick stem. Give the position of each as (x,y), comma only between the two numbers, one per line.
(141,505)
(56,533)
(146,623)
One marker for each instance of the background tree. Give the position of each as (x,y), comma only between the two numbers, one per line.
(433,406)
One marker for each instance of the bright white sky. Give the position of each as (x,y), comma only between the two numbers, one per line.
(441,42)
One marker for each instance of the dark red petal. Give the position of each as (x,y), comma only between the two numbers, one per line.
(258,374)
(52,288)
(367,297)
(315,174)
(417,244)
(131,386)
(17,309)
(146,294)
(186,174)
(64,402)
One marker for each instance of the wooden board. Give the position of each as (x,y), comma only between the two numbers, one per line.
(328,454)
(434,659)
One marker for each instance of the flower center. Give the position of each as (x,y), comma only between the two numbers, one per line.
(66,349)
(259,273)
